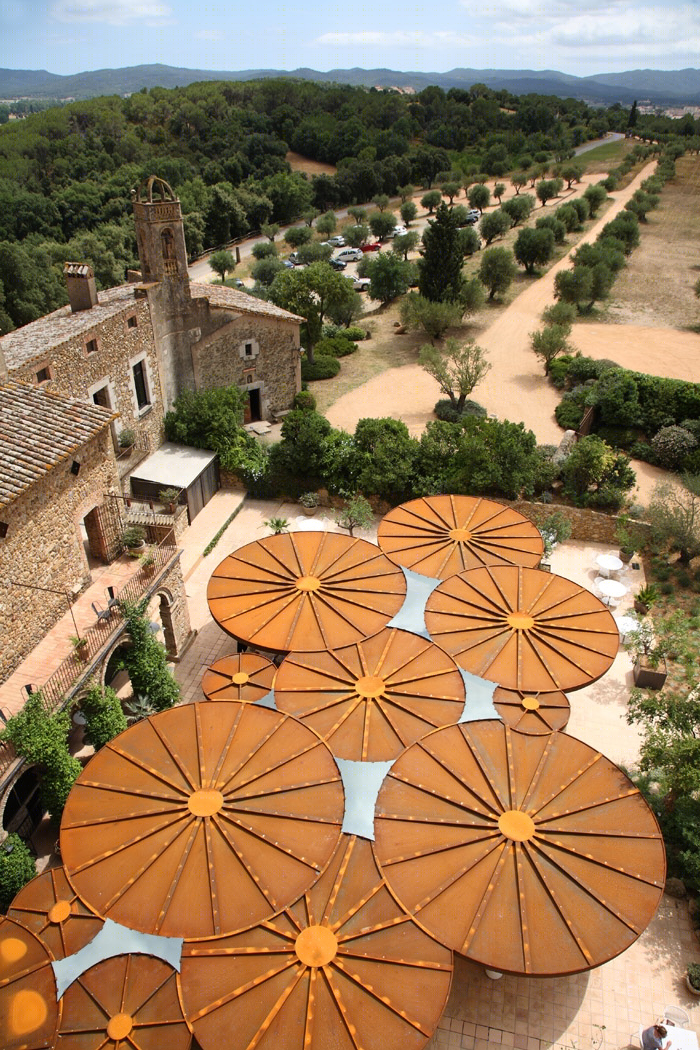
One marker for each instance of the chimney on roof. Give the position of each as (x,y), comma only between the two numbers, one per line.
(80,285)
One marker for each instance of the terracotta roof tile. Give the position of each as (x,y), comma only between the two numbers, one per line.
(38,429)
(234,299)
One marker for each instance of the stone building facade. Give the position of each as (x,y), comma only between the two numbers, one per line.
(56,463)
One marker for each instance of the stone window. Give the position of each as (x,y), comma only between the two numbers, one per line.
(3,529)
(43,375)
(143,398)
(249,350)
(92,346)
(132,321)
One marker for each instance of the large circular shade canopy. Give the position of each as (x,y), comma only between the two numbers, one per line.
(537,713)
(372,699)
(342,969)
(130,1002)
(523,628)
(202,820)
(50,908)
(29,1012)
(247,677)
(529,854)
(439,536)
(305,591)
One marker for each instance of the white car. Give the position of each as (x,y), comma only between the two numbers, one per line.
(348,254)
(337,241)
(398,231)
(360,284)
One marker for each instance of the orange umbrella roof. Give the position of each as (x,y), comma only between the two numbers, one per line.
(523,628)
(369,700)
(439,536)
(29,1013)
(202,820)
(532,712)
(50,908)
(246,677)
(341,969)
(529,854)
(130,1001)
(305,591)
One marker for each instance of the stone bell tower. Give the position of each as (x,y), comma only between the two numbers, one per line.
(160,233)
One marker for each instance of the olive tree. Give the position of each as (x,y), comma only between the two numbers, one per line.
(456,368)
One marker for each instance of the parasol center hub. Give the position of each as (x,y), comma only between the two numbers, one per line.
(530,703)
(59,911)
(460,535)
(239,678)
(308,583)
(205,802)
(516,825)
(370,687)
(119,1026)
(316,946)
(520,621)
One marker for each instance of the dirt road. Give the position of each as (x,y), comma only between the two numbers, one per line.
(515,388)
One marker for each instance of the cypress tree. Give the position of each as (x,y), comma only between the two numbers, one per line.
(440,269)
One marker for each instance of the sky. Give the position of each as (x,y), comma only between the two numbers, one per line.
(598,36)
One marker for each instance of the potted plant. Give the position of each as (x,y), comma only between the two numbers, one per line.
(645,598)
(308,502)
(276,525)
(126,439)
(626,538)
(147,562)
(80,648)
(692,978)
(134,538)
(649,653)
(169,497)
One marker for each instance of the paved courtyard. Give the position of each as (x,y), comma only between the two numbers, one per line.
(526,1013)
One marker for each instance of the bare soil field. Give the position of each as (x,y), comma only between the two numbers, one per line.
(656,288)
(311,167)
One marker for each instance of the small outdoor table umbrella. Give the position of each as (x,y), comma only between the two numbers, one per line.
(523,628)
(369,700)
(202,820)
(532,712)
(29,1013)
(129,1001)
(529,854)
(305,591)
(50,908)
(439,536)
(246,677)
(343,968)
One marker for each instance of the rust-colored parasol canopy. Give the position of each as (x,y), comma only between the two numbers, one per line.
(305,591)
(50,908)
(439,536)
(532,712)
(130,1002)
(246,677)
(342,969)
(530,854)
(372,699)
(523,628)
(202,820)
(29,1013)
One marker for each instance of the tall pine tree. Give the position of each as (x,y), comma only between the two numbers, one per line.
(440,269)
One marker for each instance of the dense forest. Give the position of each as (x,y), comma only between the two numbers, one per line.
(66,174)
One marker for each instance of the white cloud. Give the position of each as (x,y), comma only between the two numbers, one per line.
(112,12)
(209,34)
(397,38)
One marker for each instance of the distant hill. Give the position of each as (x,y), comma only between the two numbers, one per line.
(659,86)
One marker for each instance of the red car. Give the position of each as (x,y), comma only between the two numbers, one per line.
(375,247)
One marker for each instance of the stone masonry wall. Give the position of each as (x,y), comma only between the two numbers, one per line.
(76,373)
(43,546)
(274,368)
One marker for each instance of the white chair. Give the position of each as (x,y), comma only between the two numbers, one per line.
(636,1038)
(676,1015)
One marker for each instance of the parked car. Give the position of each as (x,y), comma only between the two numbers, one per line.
(374,247)
(473,216)
(348,254)
(398,231)
(337,241)
(360,284)
(294,258)
(287,264)
(338,264)
(238,283)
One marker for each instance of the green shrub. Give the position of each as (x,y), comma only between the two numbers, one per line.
(667,588)
(305,401)
(103,714)
(684,578)
(354,332)
(619,437)
(320,368)
(445,410)
(559,371)
(671,445)
(17,867)
(146,659)
(336,346)
(569,413)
